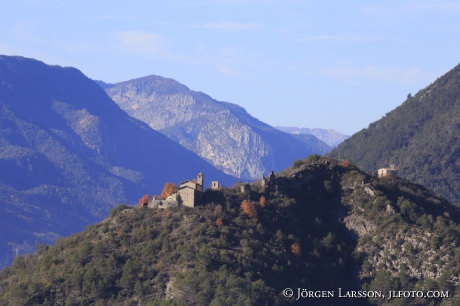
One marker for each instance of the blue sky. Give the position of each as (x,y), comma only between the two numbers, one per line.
(339,65)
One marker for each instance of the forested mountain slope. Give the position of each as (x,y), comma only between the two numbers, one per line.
(68,154)
(222,133)
(421,137)
(320,225)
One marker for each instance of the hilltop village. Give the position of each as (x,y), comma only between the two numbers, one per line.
(188,194)
(191,191)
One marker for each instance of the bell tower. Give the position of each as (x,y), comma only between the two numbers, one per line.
(199,179)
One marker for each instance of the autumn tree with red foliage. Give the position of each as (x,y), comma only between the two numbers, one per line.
(249,209)
(296,250)
(345,164)
(143,200)
(262,201)
(168,190)
(219,222)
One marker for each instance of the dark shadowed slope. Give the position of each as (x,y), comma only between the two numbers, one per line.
(68,154)
(421,137)
(222,133)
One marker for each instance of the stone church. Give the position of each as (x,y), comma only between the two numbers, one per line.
(189,192)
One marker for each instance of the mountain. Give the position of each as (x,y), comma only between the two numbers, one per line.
(420,137)
(222,133)
(69,154)
(330,137)
(320,225)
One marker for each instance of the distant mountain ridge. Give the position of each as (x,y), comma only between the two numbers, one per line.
(222,133)
(68,154)
(421,137)
(332,137)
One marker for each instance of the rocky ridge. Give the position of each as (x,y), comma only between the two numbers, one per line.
(222,133)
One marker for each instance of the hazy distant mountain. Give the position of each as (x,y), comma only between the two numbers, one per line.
(222,133)
(68,154)
(331,137)
(421,137)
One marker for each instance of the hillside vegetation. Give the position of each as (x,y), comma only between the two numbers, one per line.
(420,137)
(320,225)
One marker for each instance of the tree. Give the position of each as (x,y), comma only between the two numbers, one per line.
(144,200)
(328,241)
(262,201)
(296,250)
(249,209)
(218,209)
(219,222)
(168,190)
(297,163)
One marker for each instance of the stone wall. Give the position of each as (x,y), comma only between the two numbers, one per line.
(162,203)
(187,196)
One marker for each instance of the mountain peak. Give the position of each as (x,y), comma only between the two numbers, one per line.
(153,83)
(220,132)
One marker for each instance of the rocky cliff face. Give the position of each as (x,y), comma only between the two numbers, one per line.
(227,144)
(222,133)
(403,230)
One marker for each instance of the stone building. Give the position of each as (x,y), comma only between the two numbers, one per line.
(188,194)
(245,188)
(215,185)
(159,202)
(385,172)
(268,180)
(191,191)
